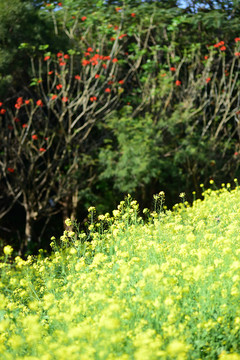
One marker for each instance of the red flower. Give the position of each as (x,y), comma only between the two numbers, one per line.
(106,57)
(39,103)
(172,68)
(97,76)
(66,56)
(133,14)
(104,66)
(94,62)
(237,39)
(223,48)
(237,54)
(27,102)
(50,72)
(77,77)
(59,86)
(95,57)
(208,79)
(93,98)
(64,99)
(1,104)
(107,90)
(236,153)
(221,43)
(114,60)
(53,97)
(20,100)
(83,18)
(112,39)
(62,63)
(162,75)
(42,149)
(34,137)
(205,57)
(122,36)
(59,54)
(121,82)
(2,111)
(24,126)
(85,62)
(19,103)
(46,58)
(178,82)
(118,9)
(59,4)
(11,170)
(89,49)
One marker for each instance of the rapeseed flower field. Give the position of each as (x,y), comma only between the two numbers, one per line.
(165,288)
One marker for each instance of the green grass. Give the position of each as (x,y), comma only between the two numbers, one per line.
(168,289)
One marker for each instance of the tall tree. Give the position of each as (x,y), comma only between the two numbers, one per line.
(21,21)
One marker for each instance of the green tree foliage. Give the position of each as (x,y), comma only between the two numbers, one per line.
(136,160)
(196,116)
(21,21)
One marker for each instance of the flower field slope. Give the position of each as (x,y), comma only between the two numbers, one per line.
(165,289)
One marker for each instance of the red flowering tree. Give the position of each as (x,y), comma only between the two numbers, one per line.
(51,133)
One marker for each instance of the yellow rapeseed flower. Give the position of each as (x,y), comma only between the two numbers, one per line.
(68,222)
(7,250)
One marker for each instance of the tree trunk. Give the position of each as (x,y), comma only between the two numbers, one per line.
(29,222)
(70,209)
(66,211)
(28,228)
(74,205)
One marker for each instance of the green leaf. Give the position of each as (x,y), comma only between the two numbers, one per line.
(43,47)
(71,52)
(24,46)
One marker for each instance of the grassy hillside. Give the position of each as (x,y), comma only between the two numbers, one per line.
(168,289)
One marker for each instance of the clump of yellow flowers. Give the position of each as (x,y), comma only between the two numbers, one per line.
(7,250)
(164,288)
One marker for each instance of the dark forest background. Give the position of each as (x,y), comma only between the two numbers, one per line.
(100,99)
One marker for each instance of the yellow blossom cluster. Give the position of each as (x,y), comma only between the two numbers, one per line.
(165,289)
